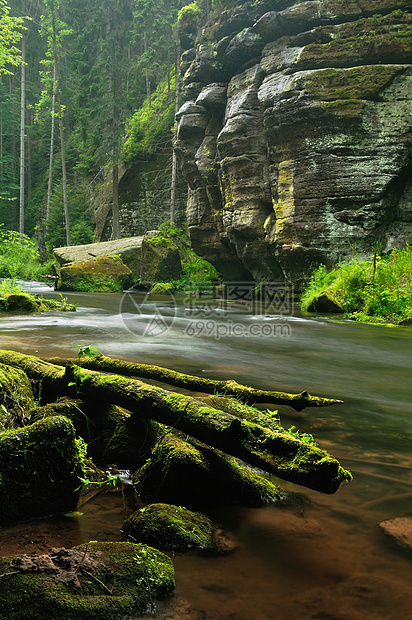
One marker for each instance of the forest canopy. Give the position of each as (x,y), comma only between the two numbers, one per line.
(76,76)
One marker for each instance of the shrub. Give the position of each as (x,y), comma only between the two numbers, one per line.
(376,290)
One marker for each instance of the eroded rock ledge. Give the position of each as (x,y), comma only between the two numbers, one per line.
(295,138)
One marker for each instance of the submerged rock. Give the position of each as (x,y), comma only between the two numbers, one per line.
(40,470)
(96,581)
(171,528)
(399,531)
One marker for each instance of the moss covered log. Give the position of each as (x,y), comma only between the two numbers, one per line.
(190,382)
(274,451)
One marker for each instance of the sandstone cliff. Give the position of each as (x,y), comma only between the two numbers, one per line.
(295,138)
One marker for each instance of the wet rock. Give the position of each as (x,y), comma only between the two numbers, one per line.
(40,470)
(399,531)
(171,528)
(96,581)
(194,475)
(324,303)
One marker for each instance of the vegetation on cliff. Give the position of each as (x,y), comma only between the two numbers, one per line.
(376,291)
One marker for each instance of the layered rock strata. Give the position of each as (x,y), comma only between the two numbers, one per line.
(295,138)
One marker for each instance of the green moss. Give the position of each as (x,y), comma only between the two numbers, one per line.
(378,290)
(104,274)
(136,574)
(194,475)
(350,84)
(40,470)
(170,527)
(364,41)
(16,397)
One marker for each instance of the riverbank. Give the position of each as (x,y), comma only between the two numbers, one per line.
(13,299)
(371,291)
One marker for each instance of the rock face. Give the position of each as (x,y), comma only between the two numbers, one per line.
(296,136)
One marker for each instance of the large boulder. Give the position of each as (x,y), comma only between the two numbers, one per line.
(103,274)
(40,470)
(160,259)
(129,251)
(309,160)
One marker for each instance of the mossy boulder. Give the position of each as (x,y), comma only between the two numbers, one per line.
(97,581)
(160,259)
(16,397)
(101,274)
(171,528)
(324,302)
(128,249)
(40,470)
(194,475)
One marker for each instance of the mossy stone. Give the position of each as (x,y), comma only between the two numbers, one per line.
(102,274)
(135,574)
(324,302)
(194,475)
(16,397)
(40,470)
(170,527)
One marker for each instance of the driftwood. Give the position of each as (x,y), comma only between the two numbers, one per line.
(209,386)
(277,452)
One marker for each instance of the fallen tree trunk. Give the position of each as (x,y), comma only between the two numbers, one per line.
(190,382)
(277,452)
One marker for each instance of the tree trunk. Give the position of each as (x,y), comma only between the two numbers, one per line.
(22,129)
(277,452)
(64,172)
(50,179)
(115,200)
(197,384)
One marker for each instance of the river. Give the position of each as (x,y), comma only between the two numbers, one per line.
(326,559)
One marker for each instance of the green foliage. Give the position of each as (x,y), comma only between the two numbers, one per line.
(376,290)
(152,123)
(82,228)
(189,15)
(195,269)
(86,350)
(305,437)
(19,257)
(10,35)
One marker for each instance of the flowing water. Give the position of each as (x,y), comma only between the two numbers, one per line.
(325,560)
